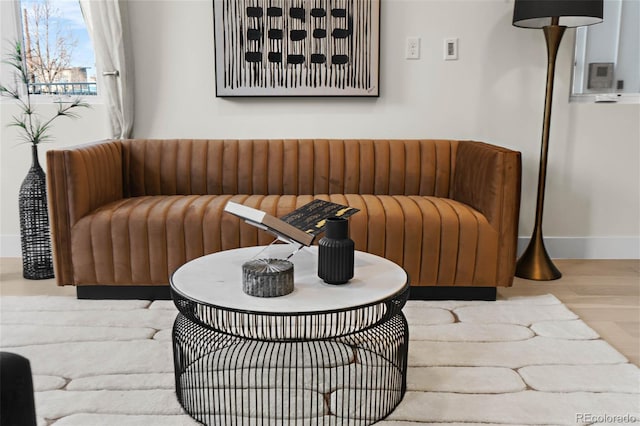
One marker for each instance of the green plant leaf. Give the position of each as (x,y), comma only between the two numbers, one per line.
(32,127)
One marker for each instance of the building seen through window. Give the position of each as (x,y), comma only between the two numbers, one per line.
(57,47)
(607,55)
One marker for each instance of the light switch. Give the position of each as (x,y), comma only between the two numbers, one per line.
(451,49)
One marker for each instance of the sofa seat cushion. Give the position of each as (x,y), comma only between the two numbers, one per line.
(142,240)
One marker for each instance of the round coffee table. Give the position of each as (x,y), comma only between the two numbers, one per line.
(323,354)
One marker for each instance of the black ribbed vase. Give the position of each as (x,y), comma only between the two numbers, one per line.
(335,252)
(35,239)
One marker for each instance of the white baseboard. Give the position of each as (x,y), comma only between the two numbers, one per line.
(588,247)
(558,247)
(10,246)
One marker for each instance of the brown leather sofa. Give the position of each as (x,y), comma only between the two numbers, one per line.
(129,212)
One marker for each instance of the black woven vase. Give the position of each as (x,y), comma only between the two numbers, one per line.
(37,260)
(336,252)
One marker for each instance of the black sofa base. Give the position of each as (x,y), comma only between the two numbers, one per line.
(162,292)
(453,293)
(143,292)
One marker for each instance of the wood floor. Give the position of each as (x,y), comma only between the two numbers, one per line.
(604,293)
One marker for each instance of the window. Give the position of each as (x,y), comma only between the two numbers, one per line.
(58,50)
(607,56)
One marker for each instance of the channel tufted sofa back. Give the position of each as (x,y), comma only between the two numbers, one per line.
(288,167)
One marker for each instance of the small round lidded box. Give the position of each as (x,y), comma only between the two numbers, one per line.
(267,277)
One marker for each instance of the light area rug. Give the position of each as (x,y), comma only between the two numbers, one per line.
(522,361)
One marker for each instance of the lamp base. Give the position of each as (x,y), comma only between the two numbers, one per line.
(535,263)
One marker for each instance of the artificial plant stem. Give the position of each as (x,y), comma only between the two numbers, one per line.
(28,111)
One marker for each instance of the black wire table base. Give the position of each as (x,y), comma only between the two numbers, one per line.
(233,377)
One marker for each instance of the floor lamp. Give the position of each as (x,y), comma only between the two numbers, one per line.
(553,16)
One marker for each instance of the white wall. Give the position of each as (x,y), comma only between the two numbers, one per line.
(494,93)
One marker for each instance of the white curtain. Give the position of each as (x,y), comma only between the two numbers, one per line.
(108,25)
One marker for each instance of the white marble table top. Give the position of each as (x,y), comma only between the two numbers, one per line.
(216,279)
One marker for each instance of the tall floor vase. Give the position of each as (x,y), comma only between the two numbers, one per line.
(35,237)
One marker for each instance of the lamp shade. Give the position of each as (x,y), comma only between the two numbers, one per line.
(571,13)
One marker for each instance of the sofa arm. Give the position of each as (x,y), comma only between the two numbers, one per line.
(79,180)
(487,178)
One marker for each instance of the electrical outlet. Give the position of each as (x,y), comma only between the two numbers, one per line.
(412,50)
(451,49)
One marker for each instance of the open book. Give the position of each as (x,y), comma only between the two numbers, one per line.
(300,226)
(312,217)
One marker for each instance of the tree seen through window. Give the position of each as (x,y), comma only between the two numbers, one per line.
(58,51)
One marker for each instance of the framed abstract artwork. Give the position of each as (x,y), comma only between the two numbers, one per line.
(297,47)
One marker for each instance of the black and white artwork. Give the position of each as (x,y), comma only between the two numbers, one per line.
(297,47)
